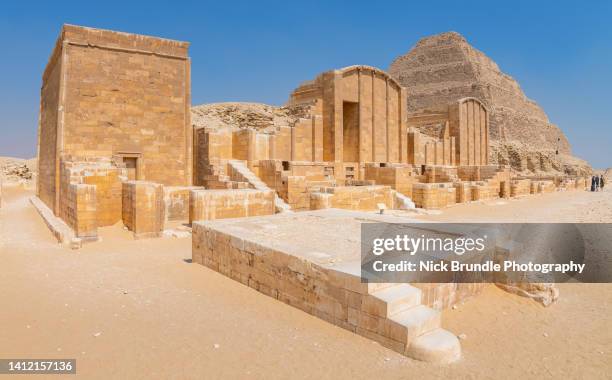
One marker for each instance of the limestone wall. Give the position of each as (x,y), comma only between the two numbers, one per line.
(302,141)
(353,197)
(280,144)
(433,196)
(108,196)
(270,173)
(539,187)
(143,208)
(221,204)
(296,193)
(78,210)
(176,201)
(398,178)
(313,171)
(520,187)
(105,179)
(48,160)
(112,94)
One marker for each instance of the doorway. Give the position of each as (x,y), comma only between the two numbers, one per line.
(131,164)
(350,131)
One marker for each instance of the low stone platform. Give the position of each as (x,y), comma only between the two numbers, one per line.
(60,230)
(311,260)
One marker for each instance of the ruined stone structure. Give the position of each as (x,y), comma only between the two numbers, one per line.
(460,135)
(116,104)
(116,143)
(115,107)
(350,127)
(444,68)
(359,116)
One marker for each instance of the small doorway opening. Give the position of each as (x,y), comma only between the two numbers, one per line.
(131,164)
(502,189)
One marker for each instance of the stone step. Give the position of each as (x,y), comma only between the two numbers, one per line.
(392,300)
(417,321)
(437,346)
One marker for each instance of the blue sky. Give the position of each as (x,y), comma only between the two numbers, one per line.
(560,52)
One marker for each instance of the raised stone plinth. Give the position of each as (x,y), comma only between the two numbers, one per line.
(299,259)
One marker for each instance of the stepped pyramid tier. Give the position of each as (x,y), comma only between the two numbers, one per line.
(444,68)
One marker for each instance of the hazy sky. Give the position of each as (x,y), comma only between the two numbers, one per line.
(560,52)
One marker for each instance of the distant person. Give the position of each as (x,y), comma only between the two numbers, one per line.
(601,182)
(592,183)
(596,183)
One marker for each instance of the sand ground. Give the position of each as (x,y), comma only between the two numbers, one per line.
(140,309)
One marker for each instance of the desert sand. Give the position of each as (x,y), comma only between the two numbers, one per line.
(129,308)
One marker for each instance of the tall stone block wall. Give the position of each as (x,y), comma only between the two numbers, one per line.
(280,144)
(415,147)
(48,160)
(469,124)
(128,93)
(301,141)
(111,94)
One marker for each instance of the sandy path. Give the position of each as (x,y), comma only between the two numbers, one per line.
(160,317)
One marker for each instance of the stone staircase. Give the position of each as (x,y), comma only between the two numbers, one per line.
(411,322)
(240,169)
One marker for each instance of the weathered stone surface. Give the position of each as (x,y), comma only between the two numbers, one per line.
(544,293)
(443,68)
(524,158)
(236,115)
(222,204)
